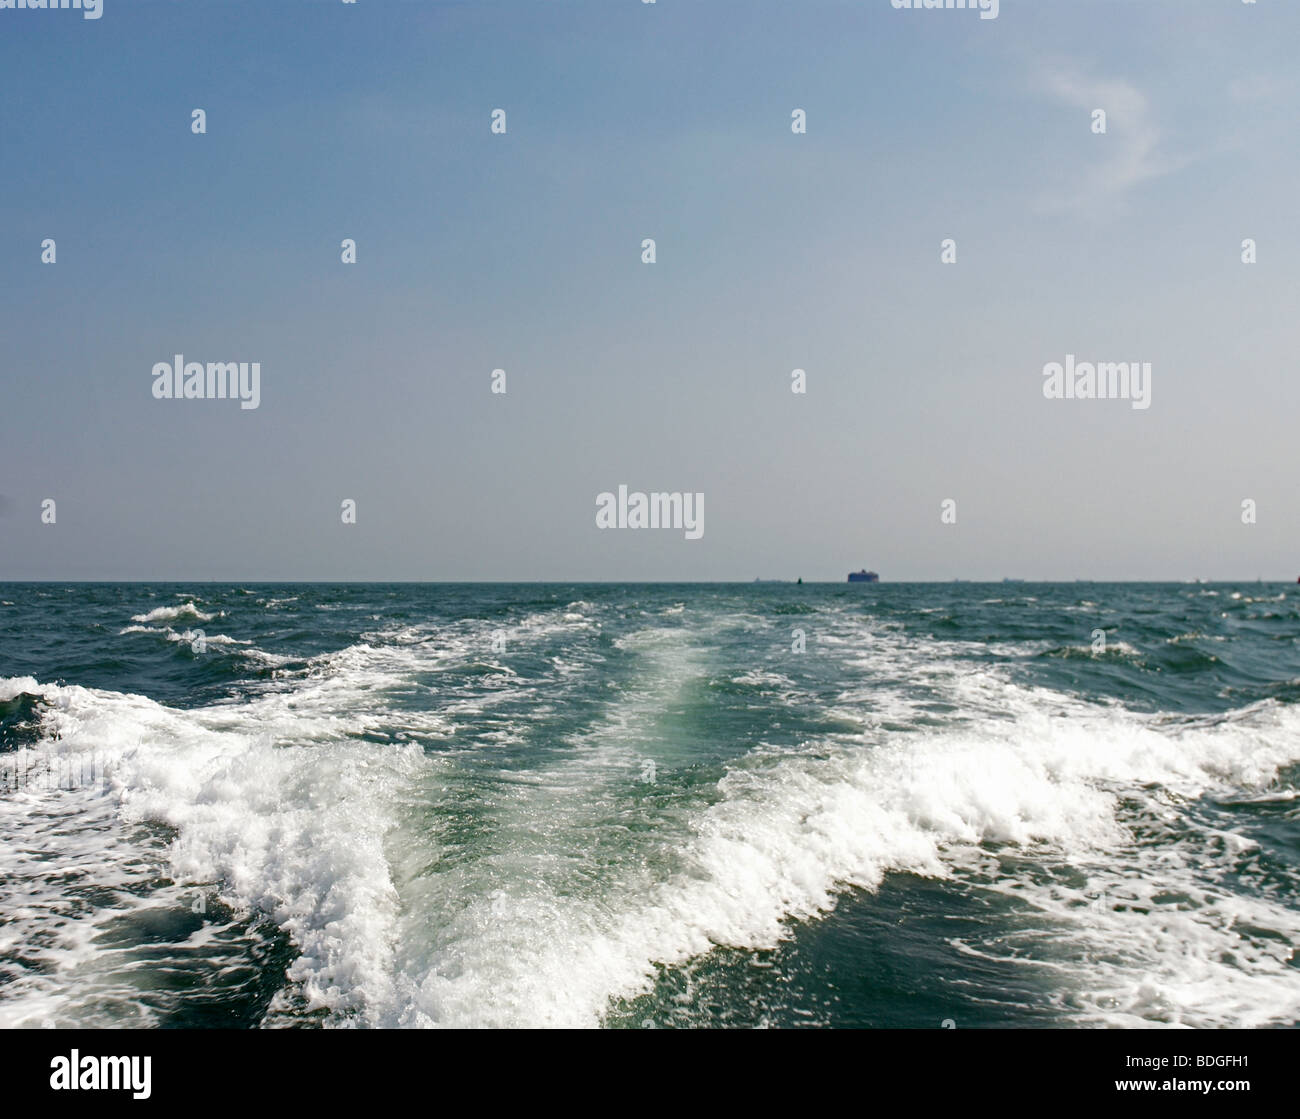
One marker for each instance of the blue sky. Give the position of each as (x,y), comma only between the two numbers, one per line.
(775,251)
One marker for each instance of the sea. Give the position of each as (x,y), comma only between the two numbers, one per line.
(649,806)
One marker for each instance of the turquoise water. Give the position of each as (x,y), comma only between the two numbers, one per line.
(649,806)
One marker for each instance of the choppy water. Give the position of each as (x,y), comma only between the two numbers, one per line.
(639,805)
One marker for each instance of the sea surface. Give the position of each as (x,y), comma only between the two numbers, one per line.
(649,806)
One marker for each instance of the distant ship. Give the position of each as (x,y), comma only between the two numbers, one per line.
(863,576)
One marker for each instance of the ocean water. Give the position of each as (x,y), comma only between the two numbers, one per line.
(649,806)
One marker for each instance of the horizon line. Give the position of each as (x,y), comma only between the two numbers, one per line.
(652,582)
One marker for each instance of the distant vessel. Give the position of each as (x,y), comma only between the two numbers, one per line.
(863,576)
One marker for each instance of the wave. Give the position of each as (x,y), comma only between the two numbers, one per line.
(172,613)
(784,842)
(188,636)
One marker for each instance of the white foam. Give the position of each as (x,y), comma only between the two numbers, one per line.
(1050,776)
(784,841)
(172,613)
(189,636)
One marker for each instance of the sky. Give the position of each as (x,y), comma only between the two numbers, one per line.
(774,251)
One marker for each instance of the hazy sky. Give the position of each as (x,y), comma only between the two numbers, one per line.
(775,251)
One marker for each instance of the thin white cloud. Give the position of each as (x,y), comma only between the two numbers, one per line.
(1128,155)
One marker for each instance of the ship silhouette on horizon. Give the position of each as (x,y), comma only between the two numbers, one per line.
(863,576)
